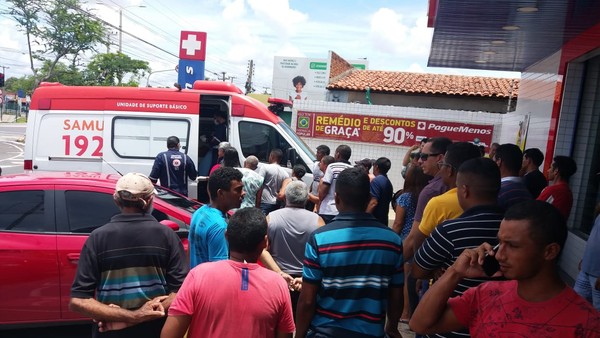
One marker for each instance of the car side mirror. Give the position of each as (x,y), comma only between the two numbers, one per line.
(291,156)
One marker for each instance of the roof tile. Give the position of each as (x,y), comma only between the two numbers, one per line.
(404,82)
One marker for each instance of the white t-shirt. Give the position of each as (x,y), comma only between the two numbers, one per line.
(328,203)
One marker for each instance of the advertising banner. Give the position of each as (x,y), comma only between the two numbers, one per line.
(390,130)
(298,78)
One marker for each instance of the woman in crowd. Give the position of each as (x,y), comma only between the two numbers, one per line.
(406,205)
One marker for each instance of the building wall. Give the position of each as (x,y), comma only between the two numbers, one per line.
(444,102)
(536,99)
(395,153)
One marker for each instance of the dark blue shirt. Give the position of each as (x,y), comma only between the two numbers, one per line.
(382,190)
(173,168)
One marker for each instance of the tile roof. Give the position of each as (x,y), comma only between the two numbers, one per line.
(339,67)
(422,83)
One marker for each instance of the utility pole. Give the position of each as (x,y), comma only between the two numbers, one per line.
(224,78)
(3,98)
(249,79)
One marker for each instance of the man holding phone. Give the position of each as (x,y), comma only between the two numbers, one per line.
(478,183)
(534,302)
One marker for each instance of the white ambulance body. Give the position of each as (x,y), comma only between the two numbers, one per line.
(122,129)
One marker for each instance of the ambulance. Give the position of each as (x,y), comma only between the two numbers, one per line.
(122,129)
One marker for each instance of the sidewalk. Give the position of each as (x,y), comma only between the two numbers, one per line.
(8,118)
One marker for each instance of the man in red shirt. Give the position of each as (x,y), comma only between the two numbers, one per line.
(558,193)
(533,302)
(234,297)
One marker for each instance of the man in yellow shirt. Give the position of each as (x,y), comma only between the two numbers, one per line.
(445,206)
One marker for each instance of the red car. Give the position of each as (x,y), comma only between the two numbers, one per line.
(45,217)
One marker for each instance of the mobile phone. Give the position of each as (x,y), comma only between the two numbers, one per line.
(490,264)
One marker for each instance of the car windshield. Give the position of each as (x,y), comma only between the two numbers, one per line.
(298,141)
(177,200)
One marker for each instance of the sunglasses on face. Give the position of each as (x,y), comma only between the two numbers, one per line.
(415,155)
(425,156)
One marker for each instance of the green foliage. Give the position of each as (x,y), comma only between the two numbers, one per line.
(13,84)
(110,69)
(65,74)
(60,30)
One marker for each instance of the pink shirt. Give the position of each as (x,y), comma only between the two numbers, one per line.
(232,299)
(494,309)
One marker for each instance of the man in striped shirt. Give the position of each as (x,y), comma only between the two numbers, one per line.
(478,183)
(130,268)
(352,274)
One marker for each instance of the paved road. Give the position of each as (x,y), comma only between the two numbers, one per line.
(11,151)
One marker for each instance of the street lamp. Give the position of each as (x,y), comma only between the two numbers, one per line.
(121,23)
(121,20)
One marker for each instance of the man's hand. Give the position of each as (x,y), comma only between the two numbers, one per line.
(296,284)
(104,326)
(152,309)
(469,263)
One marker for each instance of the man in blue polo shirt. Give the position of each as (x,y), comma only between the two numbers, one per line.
(352,275)
(173,168)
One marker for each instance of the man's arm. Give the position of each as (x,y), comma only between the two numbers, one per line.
(270,264)
(395,306)
(372,204)
(413,241)
(156,166)
(176,326)
(433,314)
(92,308)
(259,196)
(191,169)
(406,158)
(323,190)
(281,193)
(217,245)
(305,310)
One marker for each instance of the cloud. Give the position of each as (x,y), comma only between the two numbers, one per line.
(415,68)
(389,33)
(233,9)
(278,16)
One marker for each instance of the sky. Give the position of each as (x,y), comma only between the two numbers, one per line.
(391,35)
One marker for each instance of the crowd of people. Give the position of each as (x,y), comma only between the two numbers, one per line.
(472,249)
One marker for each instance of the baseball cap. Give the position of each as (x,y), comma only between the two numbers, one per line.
(134,186)
(367,162)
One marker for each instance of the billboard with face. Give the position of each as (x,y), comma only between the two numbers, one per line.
(300,78)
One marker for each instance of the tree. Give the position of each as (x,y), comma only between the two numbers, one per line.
(62,30)
(13,84)
(68,75)
(111,68)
